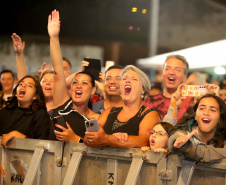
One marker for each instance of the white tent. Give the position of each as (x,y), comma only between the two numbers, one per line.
(203,56)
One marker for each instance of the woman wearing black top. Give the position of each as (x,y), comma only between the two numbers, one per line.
(25,114)
(126,126)
(72,104)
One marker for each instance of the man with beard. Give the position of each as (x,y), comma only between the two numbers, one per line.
(111,89)
(175,70)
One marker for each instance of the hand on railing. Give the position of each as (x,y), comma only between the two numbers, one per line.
(9,136)
(122,137)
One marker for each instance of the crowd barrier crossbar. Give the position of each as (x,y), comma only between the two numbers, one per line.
(42,162)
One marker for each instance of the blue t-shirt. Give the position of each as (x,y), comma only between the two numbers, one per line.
(98,107)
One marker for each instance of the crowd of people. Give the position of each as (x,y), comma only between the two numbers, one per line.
(56,104)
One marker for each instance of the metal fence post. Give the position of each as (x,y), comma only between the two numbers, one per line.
(186,173)
(33,167)
(134,169)
(73,166)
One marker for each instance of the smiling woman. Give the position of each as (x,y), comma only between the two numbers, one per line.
(201,135)
(70,107)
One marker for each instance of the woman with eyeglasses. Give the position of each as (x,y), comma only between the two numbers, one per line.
(158,138)
(201,135)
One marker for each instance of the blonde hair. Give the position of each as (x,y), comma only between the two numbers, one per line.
(143,77)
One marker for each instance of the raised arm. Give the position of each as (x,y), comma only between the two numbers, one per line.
(60,92)
(19,48)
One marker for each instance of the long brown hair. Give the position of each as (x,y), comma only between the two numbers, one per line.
(220,134)
(38,103)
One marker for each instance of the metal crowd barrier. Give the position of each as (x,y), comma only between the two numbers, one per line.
(42,162)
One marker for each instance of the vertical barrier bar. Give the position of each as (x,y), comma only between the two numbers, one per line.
(161,167)
(186,173)
(112,166)
(33,167)
(73,166)
(134,171)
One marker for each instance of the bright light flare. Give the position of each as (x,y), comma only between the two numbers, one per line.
(219,70)
(134,9)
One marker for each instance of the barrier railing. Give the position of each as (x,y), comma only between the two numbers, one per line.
(42,162)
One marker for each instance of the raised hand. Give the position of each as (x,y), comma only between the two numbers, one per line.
(177,96)
(84,64)
(212,89)
(43,68)
(183,138)
(54,24)
(18,44)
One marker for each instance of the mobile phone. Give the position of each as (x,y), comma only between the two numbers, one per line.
(93,68)
(193,90)
(92,125)
(59,120)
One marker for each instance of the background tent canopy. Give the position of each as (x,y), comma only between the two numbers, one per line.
(203,56)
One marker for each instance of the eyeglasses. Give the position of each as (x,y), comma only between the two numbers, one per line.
(159,133)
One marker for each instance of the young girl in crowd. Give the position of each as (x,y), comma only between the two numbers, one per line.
(46,75)
(201,135)
(25,114)
(158,138)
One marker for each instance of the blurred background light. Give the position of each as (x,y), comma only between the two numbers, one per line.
(219,70)
(134,9)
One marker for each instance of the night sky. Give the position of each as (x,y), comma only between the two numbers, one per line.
(82,19)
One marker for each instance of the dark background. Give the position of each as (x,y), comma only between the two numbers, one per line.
(92,22)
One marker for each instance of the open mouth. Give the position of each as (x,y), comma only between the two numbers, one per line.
(127,89)
(22,92)
(171,79)
(205,120)
(79,93)
(152,142)
(48,88)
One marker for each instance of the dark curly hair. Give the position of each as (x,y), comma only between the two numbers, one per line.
(37,104)
(220,134)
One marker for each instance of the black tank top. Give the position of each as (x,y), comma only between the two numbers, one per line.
(131,127)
